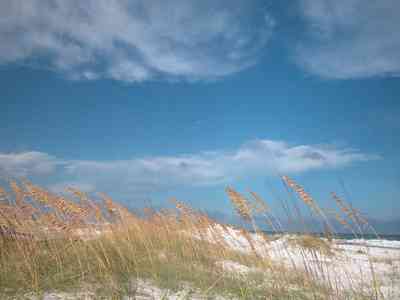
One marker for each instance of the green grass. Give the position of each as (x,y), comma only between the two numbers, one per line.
(109,266)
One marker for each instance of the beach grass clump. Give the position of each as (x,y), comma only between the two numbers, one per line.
(312,243)
(50,242)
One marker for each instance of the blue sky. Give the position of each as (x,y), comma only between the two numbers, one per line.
(148,100)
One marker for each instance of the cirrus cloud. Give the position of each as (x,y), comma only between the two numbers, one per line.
(350,38)
(134,40)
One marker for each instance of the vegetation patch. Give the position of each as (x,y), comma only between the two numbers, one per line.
(312,243)
(50,243)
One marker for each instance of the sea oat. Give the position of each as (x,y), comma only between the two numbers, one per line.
(260,205)
(262,208)
(3,195)
(240,203)
(308,200)
(118,211)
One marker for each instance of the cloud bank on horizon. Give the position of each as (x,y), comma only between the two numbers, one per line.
(138,40)
(141,175)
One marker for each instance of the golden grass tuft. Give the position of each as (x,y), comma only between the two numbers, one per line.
(240,203)
(312,243)
(52,242)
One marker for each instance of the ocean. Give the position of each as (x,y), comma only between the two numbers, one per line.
(347,236)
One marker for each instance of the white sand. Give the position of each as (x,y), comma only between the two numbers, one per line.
(348,268)
(144,290)
(354,264)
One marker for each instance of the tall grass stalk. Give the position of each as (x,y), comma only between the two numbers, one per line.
(52,242)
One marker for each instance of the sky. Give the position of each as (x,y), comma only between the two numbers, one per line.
(147,100)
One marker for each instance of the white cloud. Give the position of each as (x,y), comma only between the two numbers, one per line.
(140,175)
(26,164)
(134,40)
(351,38)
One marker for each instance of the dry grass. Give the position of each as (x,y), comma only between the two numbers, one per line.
(240,203)
(51,242)
(312,243)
